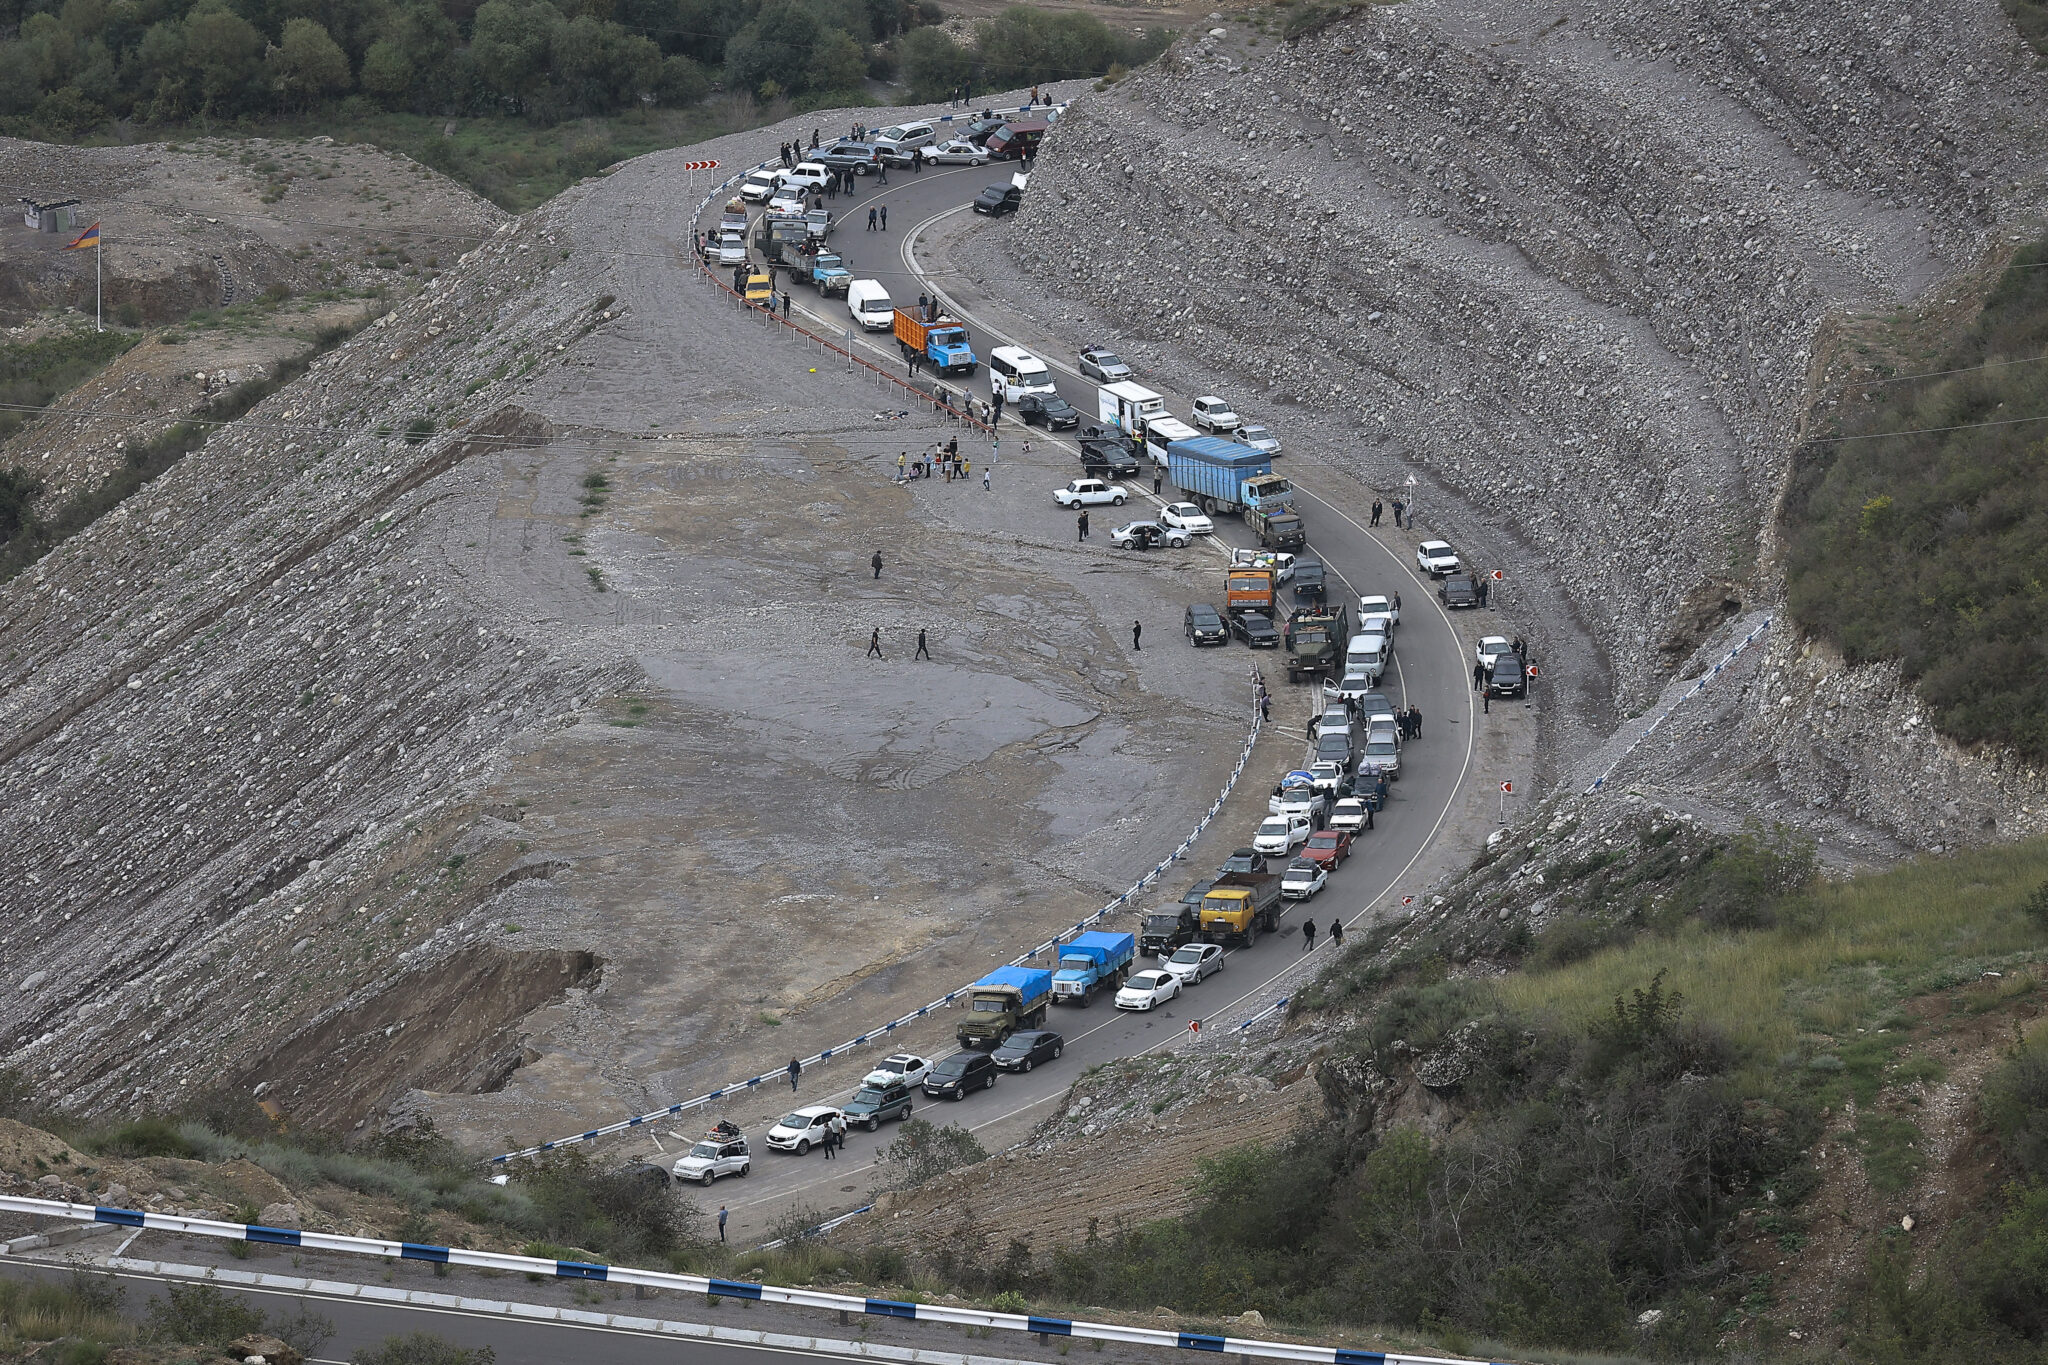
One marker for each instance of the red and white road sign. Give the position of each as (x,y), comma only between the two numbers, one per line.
(1499,577)
(1508,787)
(1407,900)
(1532,670)
(700,165)
(1194,1026)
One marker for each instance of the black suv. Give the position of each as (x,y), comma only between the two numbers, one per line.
(1205,625)
(1048,410)
(998,199)
(1508,678)
(1459,590)
(952,1078)
(1111,453)
(875,1103)
(1022,1051)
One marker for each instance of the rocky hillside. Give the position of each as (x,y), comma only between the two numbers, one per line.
(1566,268)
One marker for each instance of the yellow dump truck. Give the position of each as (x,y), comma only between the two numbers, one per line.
(1239,905)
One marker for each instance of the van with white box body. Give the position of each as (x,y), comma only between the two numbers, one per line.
(1129,406)
(870,305)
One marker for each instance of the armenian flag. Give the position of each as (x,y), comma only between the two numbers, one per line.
(89,237)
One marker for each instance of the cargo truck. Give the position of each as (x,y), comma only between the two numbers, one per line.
(1248,587)
(1169,927)
(1222,476)
(1240,905)
(1314,639)
(1277,527)
(830,274)
(1004,1001)
(944,342)
(782,236)
(1093,961)
(1128,406)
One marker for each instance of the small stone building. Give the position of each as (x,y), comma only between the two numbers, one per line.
(62,216)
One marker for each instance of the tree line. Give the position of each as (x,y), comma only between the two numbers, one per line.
(69,66)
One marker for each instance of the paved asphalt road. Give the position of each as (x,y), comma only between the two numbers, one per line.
(1431,669)
(358,1325)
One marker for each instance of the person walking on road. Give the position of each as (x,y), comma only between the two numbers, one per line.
(1083,524)
(885,207)
(922,652)
(1137,629)
(1415,720)
(871,218)
(1158,477)
(1375,511)
(874,652)
(796,1068)
(1337,933)
(1308,936)
(875,563)
(831,1141)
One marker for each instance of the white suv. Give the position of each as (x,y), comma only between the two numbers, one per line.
(711,1159)
(1214,415)
(902,1068)
(1436,558)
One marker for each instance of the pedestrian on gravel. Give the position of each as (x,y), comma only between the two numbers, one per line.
(796,1068)
(1265,707)
(885,209)
(1137,629)
(1308,936)
(966,468)
(1375,511)
(900,459)
(985,480)
(1478,676)
(876,563)
(1399,508)
(1084,527)
(1521,649)
(871,218)
(1337,933)
(922,652)
(721,1222)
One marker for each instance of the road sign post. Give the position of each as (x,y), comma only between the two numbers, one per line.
(1507,789)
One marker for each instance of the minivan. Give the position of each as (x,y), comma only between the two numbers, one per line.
(1014,372)
(898,144)
(870,305)
(952,1078)
(1016,141)
(1366,657)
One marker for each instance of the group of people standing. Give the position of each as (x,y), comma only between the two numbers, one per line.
(1400,508)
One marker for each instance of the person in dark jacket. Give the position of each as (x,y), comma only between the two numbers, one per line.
(1479,677)
(876,563)
(1308,936)
(796,1068)
(1337,933)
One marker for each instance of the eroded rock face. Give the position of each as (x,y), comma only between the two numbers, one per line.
(1567,269)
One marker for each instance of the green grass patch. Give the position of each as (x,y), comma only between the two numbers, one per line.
(1864,945)
(32,373)
(1926,548)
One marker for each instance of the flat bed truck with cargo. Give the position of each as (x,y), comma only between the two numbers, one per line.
(1006,1000)
(1239,905)
(1096,960)
(944,342)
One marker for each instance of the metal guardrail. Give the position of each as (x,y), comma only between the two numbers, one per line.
(883,1031)
(905,1310)
(1693,691)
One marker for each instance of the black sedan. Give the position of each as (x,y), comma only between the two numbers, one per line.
(1256,630)
(1025,1050)
(1048,410)
(1205,625)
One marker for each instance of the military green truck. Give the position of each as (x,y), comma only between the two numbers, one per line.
(1314,639)
(1278,526)
(1004,1001)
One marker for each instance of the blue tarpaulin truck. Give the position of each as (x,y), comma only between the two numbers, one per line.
(1093,961)
(1007,999)
(1223,476)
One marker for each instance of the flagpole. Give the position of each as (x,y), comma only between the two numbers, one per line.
(98,320)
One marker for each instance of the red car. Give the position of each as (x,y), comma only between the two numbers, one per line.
(1330,847)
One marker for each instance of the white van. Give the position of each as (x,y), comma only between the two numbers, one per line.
(1014,372)
(1161,432)
(870,305)
(1366,657)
